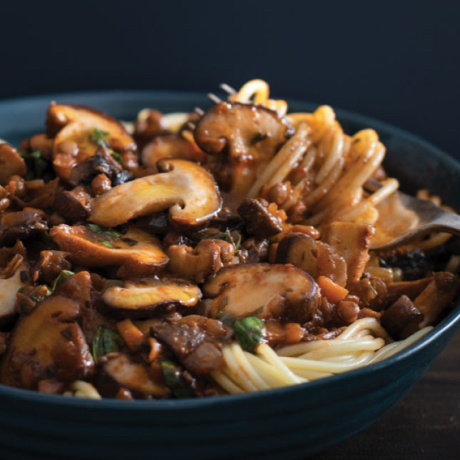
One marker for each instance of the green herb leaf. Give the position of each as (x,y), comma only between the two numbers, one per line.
(226,319)
(249,332)
(100,231)
(106,341)
(24,307)
(175,381)
(65,274)
(98,137)
(116,156)
(107,244)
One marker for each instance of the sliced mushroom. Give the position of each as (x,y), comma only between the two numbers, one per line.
(101,162)
(183,187)
(402,318)
(436,296)
(21,225)
(8,290)
(198,263)
(251,134)
(258,219)
(170,146)
(47,343)
(281,291)
(352,241)
(137,253)
(411,289)
(11,163)
(141,299)
(195,340)
(299,250)
(74,205)
(73,126)
(118,370)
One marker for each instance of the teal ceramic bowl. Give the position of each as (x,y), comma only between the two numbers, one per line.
(287,423)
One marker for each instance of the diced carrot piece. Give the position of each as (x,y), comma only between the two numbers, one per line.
(294,332)
(332,291)
(132,336)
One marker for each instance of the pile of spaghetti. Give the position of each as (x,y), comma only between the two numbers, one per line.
(195,254)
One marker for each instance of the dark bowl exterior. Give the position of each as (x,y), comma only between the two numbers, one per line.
(287,423)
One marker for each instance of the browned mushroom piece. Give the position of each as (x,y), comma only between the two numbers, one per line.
(402,318)
(47,343)
(195,340)
(258,219)
(436,296)
(170,146)
(300,250)
(411,289)
(137,253)
(198,263)
(102,162)
(146,298)
(118,370)
(183,187)
(21,225)
(73,127)
(11,163)
(246,135)
(73,205)
(148,125)
(280,291)
(50,265)
(352,241)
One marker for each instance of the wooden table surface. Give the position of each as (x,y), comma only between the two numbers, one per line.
(424,425)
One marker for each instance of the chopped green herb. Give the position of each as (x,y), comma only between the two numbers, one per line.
(65,274)
(107,244)
(226,319)
(249,332)
(100,231)
(175,381)
(106,341)
(24,307)
(116,156)
(98,137)
(36,165)
(22,290)
(238,243)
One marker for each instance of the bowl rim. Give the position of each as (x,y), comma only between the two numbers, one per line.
(449,323)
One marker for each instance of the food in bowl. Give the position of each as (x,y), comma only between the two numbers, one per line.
(223,251)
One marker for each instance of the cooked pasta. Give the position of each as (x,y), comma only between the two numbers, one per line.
(190,255)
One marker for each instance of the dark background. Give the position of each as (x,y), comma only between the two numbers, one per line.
(397,61)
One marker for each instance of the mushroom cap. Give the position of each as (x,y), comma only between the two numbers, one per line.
(268,290)
(47,338)
(118,370)
(86,248)
(76,123)
(142,299)
(183,187)
(250,133)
